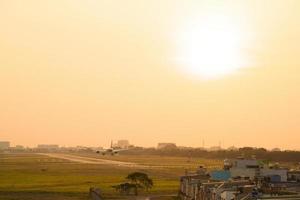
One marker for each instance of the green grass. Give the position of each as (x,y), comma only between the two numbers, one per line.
(37,177)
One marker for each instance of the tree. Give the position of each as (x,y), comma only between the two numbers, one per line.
(136,181)
(142,179)
(126,188)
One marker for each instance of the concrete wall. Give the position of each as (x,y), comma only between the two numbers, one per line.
(244,163)
(269,172)
(242,172)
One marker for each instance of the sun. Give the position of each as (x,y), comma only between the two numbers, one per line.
(210,47)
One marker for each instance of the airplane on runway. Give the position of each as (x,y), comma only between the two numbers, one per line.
(110,151)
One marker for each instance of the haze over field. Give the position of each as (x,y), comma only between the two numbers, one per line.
(84,72)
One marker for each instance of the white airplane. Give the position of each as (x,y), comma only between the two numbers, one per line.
(110,151)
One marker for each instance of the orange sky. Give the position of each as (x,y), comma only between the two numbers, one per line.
(76,72)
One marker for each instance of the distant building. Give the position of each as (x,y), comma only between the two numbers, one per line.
(4,145)
(215,148)
(19,147)
(166,146)
(124,144)
(232,148)
(276,149)
(188,148)
(48,146)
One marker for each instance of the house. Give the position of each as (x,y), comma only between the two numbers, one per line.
(240,179)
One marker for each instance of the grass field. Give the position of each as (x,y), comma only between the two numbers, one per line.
(38,177)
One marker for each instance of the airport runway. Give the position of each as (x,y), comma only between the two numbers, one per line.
(88,160)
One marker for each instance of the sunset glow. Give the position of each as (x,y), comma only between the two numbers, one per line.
(85,72)
(210,47)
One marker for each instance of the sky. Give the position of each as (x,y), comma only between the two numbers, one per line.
(76,72)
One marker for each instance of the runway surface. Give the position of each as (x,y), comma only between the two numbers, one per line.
(97,161)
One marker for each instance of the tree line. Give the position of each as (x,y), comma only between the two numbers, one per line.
(247,152)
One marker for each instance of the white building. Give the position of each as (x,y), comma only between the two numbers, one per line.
(282,173)
(242,172)
(48,146)
(4,145)
(251,168)
(124,144)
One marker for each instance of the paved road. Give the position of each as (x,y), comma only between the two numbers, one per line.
(88,160)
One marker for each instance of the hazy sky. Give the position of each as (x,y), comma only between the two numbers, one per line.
(83,72)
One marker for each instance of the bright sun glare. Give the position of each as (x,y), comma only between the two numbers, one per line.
(210,47)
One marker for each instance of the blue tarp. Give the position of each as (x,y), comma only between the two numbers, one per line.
(220,175)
